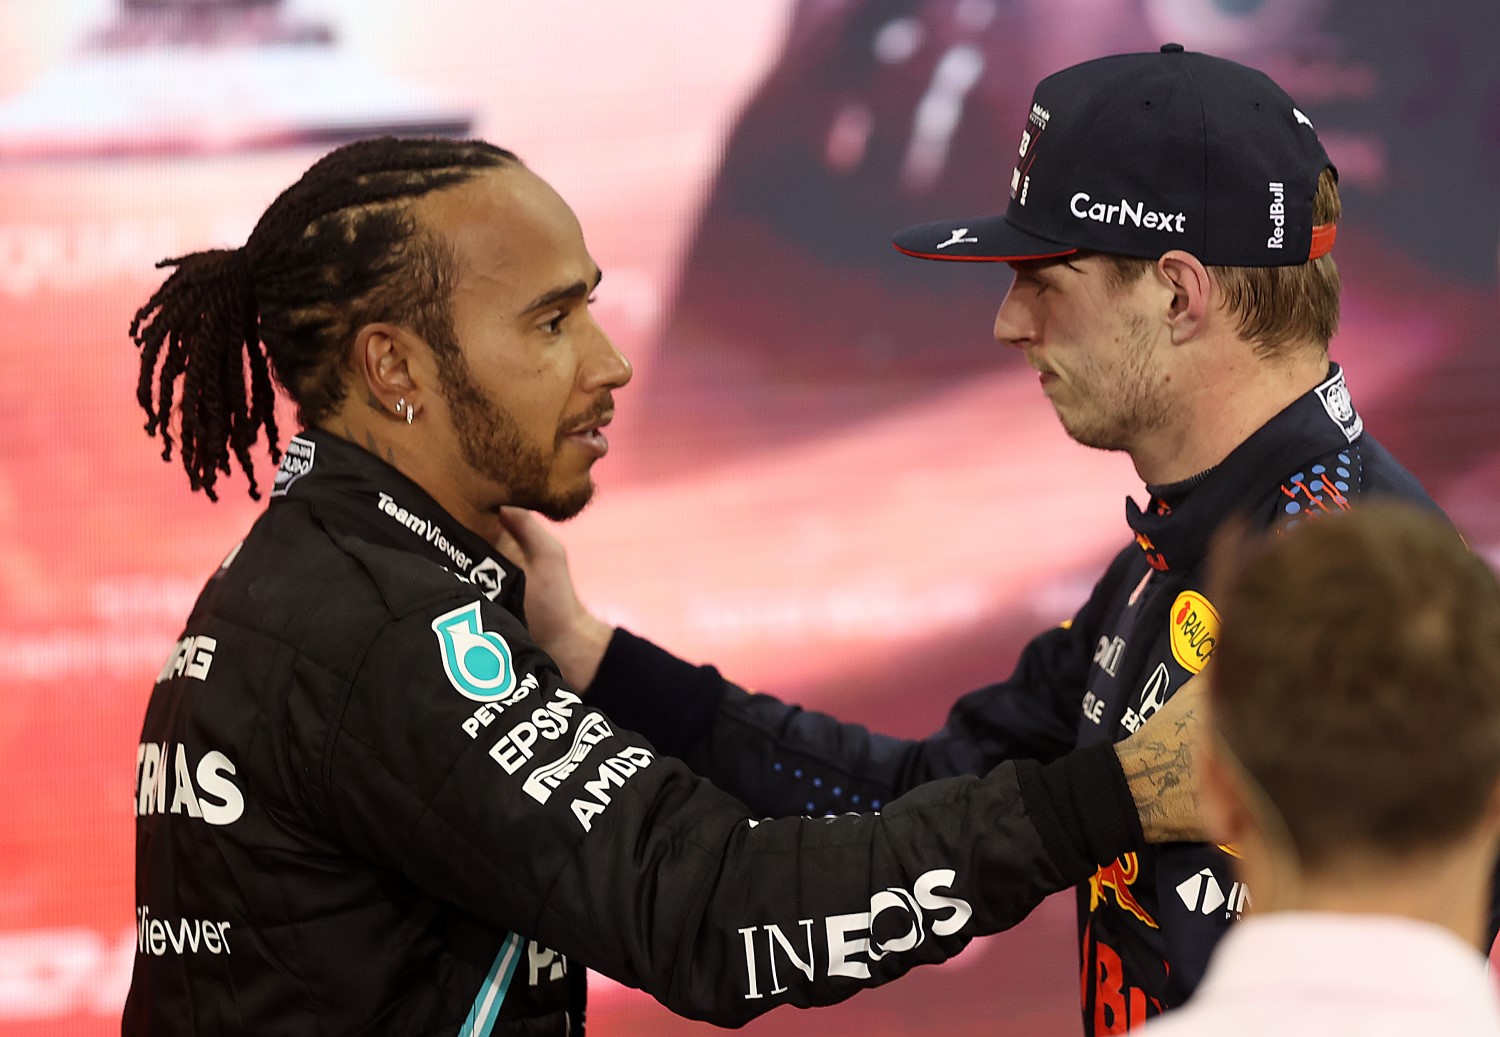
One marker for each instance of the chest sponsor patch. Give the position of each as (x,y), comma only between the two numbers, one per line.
(167,781)
(487,576)
(1194,631)
(1153,697)
(1108,654)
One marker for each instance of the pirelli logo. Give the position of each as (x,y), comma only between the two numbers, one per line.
(592,730)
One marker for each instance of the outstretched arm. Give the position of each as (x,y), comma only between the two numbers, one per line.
(1158,764)
(541,814)
(1156,759)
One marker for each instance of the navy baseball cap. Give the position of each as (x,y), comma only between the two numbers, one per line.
(1138,154)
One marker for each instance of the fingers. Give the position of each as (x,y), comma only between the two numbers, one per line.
(505,539)
(524,539)
(518,523)
(509,546)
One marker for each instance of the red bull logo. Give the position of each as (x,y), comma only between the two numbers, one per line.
(1154,558)
(1116,1005)
(1119,876)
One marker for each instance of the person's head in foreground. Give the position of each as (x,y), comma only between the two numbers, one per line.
(1353,755)
(1170,223)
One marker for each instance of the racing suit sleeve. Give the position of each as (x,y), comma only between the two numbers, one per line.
(461,761)
(781,759)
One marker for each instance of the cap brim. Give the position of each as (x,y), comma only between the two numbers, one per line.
(982,239)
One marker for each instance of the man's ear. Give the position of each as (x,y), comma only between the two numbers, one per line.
(384,367)
(1191,288)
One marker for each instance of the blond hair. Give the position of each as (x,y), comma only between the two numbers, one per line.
(1275,307)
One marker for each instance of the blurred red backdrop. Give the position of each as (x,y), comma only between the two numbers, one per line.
(824,469)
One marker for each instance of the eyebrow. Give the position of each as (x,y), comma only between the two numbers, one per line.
(1049,263)
(1042,270)
(576,290)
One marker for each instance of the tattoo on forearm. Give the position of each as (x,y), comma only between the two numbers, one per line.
(1160,774)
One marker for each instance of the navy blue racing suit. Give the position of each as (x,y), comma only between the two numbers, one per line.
(1148,920)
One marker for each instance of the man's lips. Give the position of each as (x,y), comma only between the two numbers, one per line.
(1045,375)
(592,424)
(591,436)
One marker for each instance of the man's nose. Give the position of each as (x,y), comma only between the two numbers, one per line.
(1014,324)
(607,368)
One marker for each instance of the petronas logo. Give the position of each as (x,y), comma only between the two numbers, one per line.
(477,662)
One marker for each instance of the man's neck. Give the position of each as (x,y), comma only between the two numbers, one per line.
(442,477)
(1449,888)
(1221,404)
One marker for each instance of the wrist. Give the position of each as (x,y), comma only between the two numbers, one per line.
(1159,775)
(580,651)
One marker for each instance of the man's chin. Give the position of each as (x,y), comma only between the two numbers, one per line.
(1091,436)
(561,507)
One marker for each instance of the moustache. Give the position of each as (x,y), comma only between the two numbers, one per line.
(597,416)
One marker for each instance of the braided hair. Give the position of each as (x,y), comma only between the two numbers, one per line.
(337,250)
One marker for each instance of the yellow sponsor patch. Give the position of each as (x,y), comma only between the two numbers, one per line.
(1194,630)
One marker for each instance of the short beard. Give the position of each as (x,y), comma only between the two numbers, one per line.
(491,443)
(1141,405)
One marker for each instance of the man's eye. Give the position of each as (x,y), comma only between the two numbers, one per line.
(554,326)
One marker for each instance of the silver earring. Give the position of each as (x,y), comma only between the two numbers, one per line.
(402,408)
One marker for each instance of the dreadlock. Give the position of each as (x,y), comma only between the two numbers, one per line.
(335,251)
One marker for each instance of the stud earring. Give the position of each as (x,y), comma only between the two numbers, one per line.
(409,411)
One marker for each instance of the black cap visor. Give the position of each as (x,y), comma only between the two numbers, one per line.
(983,239)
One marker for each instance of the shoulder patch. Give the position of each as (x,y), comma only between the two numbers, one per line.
(1334,395)
(296,461)
(478,662)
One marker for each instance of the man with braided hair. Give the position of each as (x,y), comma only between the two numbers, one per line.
(366,800)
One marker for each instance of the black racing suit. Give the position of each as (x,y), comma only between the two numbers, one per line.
(368,804)
(1148,920)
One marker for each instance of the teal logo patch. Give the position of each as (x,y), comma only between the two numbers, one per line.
(477,662)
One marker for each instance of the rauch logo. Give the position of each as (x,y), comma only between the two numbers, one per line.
(1195,630)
